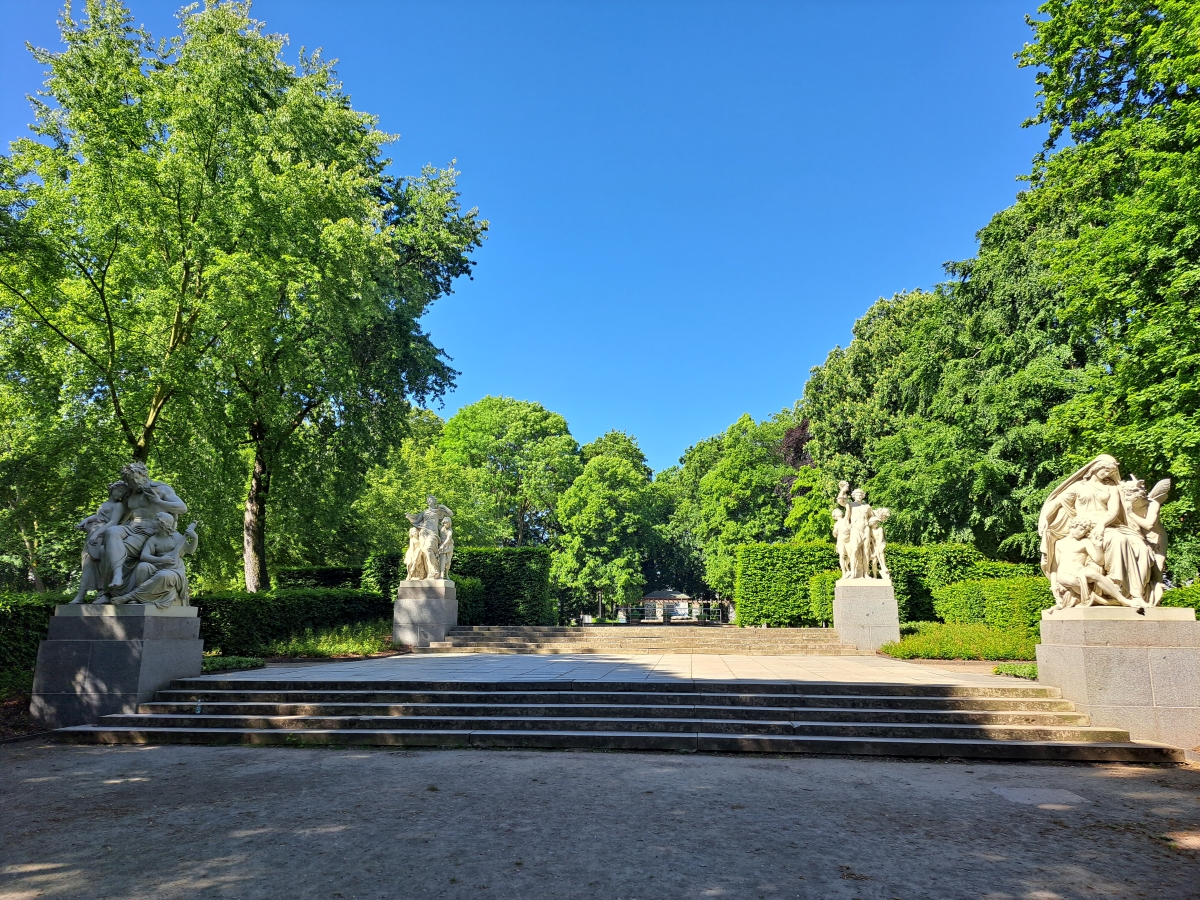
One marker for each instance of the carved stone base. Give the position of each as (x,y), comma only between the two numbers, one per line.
(424,612)
(1128,669)
(865,612)
(99,660)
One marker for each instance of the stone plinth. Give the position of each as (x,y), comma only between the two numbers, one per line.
(1128,669)
(424,611)
(99,660)
(865,612)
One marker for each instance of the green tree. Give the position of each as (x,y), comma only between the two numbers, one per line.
(607,520)
(527,457)
(208,234)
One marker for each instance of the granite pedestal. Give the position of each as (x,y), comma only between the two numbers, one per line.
(99,660)
(424,612)
(865,612)
(1128,669)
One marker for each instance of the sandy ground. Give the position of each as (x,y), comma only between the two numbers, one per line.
(228,822)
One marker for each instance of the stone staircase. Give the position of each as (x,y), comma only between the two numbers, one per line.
(644,639)
(1018,722)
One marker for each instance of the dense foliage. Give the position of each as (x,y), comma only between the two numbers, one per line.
(999,602)
(773,582)
(24,621)
(515,584)
(935,640)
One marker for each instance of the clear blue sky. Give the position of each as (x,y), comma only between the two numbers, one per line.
(691,202)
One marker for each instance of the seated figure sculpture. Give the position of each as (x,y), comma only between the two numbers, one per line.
(113,561)
(1126,545)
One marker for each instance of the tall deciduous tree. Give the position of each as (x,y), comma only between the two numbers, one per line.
(199,225)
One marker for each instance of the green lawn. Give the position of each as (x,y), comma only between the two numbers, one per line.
(360,639)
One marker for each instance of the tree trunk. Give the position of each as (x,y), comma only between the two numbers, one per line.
(254,525)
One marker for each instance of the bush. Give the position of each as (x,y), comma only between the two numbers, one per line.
(935,640)
(353,639)
(318,577)
(24,622)
(820,596)
(241,624)
(1017,670)
(917,571)
(380,573)
(771,584)
(515,584)
(230,663)
(994,568)
(998,602)
(1183,597)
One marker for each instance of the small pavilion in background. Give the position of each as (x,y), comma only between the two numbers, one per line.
(663,606)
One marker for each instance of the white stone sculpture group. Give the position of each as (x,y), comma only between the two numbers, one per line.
(1101,539)
(430,542)
(858,533)
(134,554)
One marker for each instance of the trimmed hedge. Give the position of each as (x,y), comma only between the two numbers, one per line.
(317,577)
(998,602)
(772,582)
(24,623)
(918,570)
(516,584)
(240,624)
(820,596)
(380,573)
(1183,596)
(469,591)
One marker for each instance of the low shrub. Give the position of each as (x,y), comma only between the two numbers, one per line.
(241,624)
(820,596)
(773,579)
(354,639)
(999,602)
(1183,597)
(994,568)
(230,663)
(1017,670)
(937,640)
(318,577)
(24,622)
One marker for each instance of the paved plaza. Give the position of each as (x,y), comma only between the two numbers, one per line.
(659,667)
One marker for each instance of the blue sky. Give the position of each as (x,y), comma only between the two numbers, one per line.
(690,202)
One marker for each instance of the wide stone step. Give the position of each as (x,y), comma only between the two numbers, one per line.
(1081,751)
(559,651)
(589,711)
(548,688)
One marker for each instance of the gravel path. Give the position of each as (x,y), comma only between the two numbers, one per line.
(248,823)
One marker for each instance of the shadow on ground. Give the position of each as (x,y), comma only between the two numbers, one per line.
(246,823)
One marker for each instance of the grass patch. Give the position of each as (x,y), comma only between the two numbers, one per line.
(359,639)
(231,663)
(936,640)
(1017,670)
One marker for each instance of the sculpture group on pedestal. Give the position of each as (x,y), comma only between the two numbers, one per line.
(430,542)
(1101,540)
(858,533)
(134,554)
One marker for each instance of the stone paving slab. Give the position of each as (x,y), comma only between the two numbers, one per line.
(658,668)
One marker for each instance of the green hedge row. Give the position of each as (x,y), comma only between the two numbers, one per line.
(317,577)
(516,584)
(241,624)
(24,622)
(774,580)
(998,602)
(1183,596)
(820,596)
(771,584)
